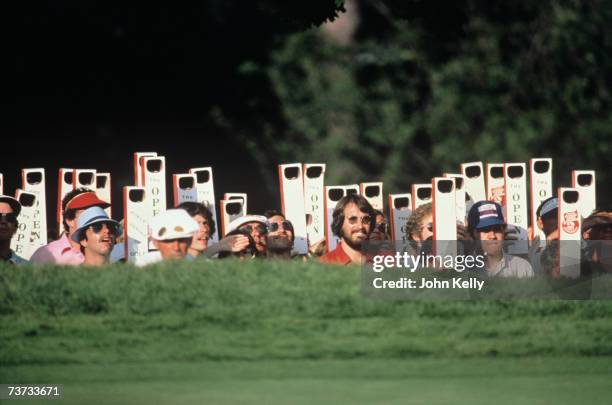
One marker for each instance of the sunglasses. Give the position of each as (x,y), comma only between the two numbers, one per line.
(365,220)
(274,226)
(10,218)
(262,229)
(429,227)
(113,229)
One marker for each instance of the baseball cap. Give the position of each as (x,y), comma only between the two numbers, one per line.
(245,219)
(90,216)
(86,200)
(484,214)
(547,206)
(173,224)
(13,202)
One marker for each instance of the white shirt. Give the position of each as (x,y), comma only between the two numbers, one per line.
(511,266)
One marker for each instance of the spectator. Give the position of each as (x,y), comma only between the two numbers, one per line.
(547,222)
(172,233)
(253,226)
(206,226)
(97,234)
(9,211)
(487,225)
(420,224)
(547,218)
(66,251)
(280,236)
(200,245)
(381,229)
(353,221)
(597,230)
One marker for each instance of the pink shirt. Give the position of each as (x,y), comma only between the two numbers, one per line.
(58,252)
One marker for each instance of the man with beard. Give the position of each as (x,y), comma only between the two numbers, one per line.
(353,221)
(487,225)
(96,233)
(9,211)
(280,236)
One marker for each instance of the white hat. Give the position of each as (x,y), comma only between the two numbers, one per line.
(245,219)
(172,224)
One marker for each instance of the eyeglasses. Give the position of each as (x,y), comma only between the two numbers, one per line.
(274,226)
(262,229)
(112,228)
(365,220)
(10,218)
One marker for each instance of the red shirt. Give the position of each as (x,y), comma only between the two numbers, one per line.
(336,256)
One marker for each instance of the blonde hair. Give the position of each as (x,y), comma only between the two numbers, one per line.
(414,222)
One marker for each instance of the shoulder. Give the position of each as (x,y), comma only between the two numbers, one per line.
(46,253)
(336,256)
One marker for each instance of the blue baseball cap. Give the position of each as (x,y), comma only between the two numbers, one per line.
(89,217)
(484,214)
(548,206)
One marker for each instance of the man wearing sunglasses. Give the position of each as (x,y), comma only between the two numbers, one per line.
(9,211)
(487,225)
(353,222)
(253,226)
(280,236)
(66,251)
(96,233)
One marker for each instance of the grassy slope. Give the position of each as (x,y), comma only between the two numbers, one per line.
(233,331)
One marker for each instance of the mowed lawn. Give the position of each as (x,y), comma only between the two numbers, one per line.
(407,381)
(231,332)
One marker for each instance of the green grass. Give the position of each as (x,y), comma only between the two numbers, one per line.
(431,381)
(232,332)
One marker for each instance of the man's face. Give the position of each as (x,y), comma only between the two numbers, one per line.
(356,226)
(491,239)
(173,249)
(8,222)
(200,238)
(100,238)
(257,231)
(549,223)
(282,237)
(425,229)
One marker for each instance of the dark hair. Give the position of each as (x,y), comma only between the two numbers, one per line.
(196,208)
(273,213)
(71,213)
(363,206)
